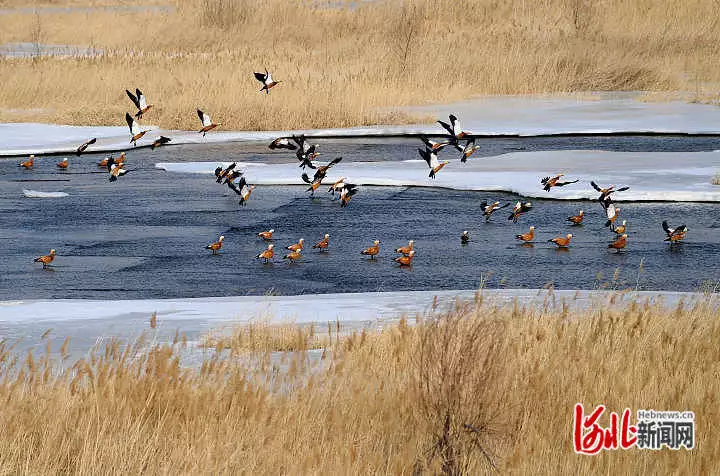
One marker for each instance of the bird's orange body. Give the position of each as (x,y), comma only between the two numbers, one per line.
(405,260)
(266,235)
(28,164)
(47,259)
(322,244)
(215,247)
(268,254)
(372,251)
(297,246)
(63,164)
(619,243)
(526,237)
(293,256)
(405,250)
(562,241)
(577,219)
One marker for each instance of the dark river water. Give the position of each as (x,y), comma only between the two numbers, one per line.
(144,236)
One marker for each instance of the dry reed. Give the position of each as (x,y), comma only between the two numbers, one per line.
(348,63)
(481,387)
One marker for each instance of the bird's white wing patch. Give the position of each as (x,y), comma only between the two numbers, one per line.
(134,128)
(206,121)
(142,101)
(433,160)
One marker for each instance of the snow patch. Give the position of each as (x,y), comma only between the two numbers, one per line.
(38,194)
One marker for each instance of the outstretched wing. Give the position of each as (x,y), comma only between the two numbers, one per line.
(133,98)
(562,184)
(205,118)
(260,77)
(483,205)
(595,186)
(667,228)
(142,102)
(447,127)
(425,154)
(545,180)
(334,161)
(134,129)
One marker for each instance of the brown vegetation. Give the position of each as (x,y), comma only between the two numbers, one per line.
(348,63)
(477,388)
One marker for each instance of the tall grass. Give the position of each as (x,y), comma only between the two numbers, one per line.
(348,65)
(478,388)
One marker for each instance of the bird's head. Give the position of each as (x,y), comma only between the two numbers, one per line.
(271,247)
(624,235)
(301,240)
(532,228)
(222,237)
(581,213)
(327,235)
(271,230)
(411,242)
(569,235)
(376,242)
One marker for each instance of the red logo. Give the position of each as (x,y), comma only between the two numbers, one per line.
(589,438)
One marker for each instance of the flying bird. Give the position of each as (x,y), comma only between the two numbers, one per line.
(28,164)
(405,250)
(267,81)
(115,168)
(319,176)
(372,251)
(268,254)
(612,212)
(46,260)
(433,145)
(674,235)
(297,246)
(577,219)
(619,243)
(468,150)
(243,189)
(562,241)
(162,140)
(207,123)
(405,260)
(527,237)
(282,143)
(224,172)
(140,102)
(337,186)
(465,237)
(454,129)
(63,164)
(518,210)
(84,146)
(550,182)
(215,247)
(430,157)
(266,235)
(323,244)
(305,152)
(488,210)
(135,132)
(606,192)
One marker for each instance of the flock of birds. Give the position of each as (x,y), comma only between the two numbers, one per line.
(343,191)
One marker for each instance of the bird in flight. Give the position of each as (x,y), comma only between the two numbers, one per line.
(207,123)
(162,140)
(135,132)
(372,251)
(221,173)
(518,210)
(140,102)
(215,247)
(454,129)
(488,210)
(243,189)
(347,192)
(468,150)
(319,176)
(606,192)
(46,260)
(84,146)
(305,152)
(433,145)
(550,182)
(674,235)
(430,156)
(282,143)
(612,212)
(267,81)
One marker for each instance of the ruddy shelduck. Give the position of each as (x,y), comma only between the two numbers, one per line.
(297,246)
(84,146)
(562,241)
(489,209)
(372,251)
(28,164)
(527,237)
(135,133)
(465,237)
(207,123)
(267,81)
(518,210)
(406,249)
(674,235)
(323,244)
(293,256)
(47,259)
(619,243)
(468,150)
(215,247)
(577,219)
(140,102)
(612,213)
(405,260)
(63,164)
(550,182)
(266,235)
(268,254)
(430,157)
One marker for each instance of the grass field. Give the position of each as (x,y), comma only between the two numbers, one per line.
(479,388)
(345,63)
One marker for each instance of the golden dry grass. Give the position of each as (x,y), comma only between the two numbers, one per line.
(345,65)
(476,388)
